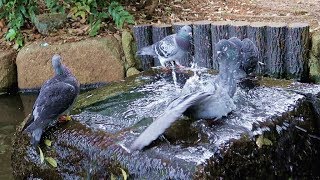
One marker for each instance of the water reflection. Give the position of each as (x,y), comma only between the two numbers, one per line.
(13,109)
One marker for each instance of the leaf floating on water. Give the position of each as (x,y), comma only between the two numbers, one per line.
(263,141)
(51,161)
(124,174)
(41,155)
(48,142)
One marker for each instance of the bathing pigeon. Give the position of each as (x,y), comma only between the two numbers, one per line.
(202,102)
(56,97)
(249,52)
(171,48)
(250,56)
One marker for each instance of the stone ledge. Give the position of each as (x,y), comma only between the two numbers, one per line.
(93,60)
(8,71)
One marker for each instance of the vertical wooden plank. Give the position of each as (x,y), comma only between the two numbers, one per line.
(202,43)
(160,31)
(219,30)
(189,58)
(143,37)
(257,33)
(276,50)
(238,29)
(297,44)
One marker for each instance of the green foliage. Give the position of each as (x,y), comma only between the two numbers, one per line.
(16,13)
(93,12)
(55,6)
(119,14)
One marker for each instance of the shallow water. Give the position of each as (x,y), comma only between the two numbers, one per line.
(13,109)
(145,103)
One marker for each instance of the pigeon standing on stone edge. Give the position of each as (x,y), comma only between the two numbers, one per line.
(171,48)
(212,103)
(56,98)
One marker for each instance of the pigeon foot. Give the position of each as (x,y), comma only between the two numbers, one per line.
(64,118)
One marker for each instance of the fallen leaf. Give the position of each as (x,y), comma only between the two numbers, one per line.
(2,23)
(51,161)
(48,142)
(112,177)
(41,155)
(263,141)
(124,174)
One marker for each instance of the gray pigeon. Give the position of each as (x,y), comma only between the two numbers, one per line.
(249,52)
(250,56)
(212,103)
(56,98)
(171,48)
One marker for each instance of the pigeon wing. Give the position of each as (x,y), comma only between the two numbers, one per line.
(170,115)
(53,100)
(167,47)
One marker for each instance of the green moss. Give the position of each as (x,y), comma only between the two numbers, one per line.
(112,89)
(271,82)
(127,41)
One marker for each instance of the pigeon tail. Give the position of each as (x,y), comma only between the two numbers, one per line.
(146,51)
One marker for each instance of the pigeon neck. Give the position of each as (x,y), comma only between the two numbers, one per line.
(183,42)
(59,70)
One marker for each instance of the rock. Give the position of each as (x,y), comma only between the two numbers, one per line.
(272,133)
(315,58)
(127,46)
(93,60)
(8,71)
(132,71)
(48,22)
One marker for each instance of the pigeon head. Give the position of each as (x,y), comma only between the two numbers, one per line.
(236,41)
(227,54)
(185,32)
(250,56)
(183,38)
(56,64)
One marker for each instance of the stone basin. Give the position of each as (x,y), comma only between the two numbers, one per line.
(274,132)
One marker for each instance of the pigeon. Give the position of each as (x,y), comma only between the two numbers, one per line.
(250,56)
(171,48)
(249,52)
(55,98)
(201,103)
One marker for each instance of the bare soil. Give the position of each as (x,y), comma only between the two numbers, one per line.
(169,11)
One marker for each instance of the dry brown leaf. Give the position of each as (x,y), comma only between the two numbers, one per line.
(2,24)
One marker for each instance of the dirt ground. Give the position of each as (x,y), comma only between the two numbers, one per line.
(169,11)
(247,10)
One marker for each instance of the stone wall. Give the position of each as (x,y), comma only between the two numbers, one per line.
(8,71)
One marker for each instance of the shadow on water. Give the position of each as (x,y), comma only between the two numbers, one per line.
(13,109)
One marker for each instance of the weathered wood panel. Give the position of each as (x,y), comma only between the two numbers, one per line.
(276,50)
(143,37)
(238,29)
(202,43)
(297,44)
(257,33)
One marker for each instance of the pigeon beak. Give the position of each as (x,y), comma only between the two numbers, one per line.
(190,34)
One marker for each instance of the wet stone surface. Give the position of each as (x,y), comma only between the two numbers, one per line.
(273,132)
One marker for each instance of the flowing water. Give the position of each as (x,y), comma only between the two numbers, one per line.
(13,109)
